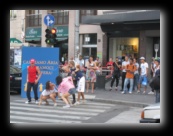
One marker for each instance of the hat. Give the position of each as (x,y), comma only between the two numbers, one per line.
(32,61)
(158,60)
(142,58)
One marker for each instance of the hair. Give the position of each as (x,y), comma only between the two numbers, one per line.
(47,85)
(78,66)
(72,62)
(97,64)
(58,80)
(131,59)
(89,58)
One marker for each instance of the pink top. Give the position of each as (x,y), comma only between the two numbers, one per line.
(66,85)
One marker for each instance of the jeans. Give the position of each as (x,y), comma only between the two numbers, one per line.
(28,93)
(127,80)
(136,79)
(157,96)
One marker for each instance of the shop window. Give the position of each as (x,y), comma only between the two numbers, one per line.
(89,39)
(124,46)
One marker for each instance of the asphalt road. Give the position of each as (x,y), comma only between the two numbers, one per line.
(90,112)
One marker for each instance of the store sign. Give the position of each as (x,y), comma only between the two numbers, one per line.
(62,31)
(14,40)
(47,59)
(33,34)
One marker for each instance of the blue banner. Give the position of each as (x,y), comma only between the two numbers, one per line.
(47,59)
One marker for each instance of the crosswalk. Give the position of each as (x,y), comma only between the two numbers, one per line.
(32,113)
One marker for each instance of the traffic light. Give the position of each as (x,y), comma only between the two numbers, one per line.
(50,36)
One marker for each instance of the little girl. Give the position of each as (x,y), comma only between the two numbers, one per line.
(49,92)
(80,84)
(66,88)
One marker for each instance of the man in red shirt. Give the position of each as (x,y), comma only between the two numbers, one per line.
(33,76)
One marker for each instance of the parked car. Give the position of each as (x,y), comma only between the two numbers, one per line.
(151,114)
(15,78)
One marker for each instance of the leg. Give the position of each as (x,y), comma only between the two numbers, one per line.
(131,85)
(53,97)
(28,91)
(117,81)
(139,83)
(74,98)
(79,94)
(112,82)
(92,85)
(126,81)
(87,87)
(123,78)
(82,93)
(157,96)
(35,86)
(64,97)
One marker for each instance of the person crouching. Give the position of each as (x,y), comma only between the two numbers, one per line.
(49,93)
(65,89)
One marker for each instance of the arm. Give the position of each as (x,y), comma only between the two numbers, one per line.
(39,74)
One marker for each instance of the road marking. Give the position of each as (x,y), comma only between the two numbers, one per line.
(49,115)
(43,119)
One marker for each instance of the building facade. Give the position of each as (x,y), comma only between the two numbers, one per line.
(103,33)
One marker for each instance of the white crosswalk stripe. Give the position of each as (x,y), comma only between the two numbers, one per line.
(32,113)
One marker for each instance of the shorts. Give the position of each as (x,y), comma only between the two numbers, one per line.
(141,78)
(72,91)
(81,85)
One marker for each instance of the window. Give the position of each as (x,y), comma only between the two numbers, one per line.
(34,18)
(87,12)
(61,16)
(13,14)
(89,39)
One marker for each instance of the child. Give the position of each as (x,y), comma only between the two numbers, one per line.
(66,88)
(49,92)
(81,84)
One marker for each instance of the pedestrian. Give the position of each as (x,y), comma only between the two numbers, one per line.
(143,74)
(130,69)
(90,74)
(80,78)
(80,61)
(109,66)
(136,74)
(33,76)
(124,63)
(116,73)
(65,88)
(49,93)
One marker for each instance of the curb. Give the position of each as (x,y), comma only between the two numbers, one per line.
(133,104)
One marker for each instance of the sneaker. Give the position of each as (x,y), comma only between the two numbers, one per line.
(84,101)
(73,102)
(76,103)
(27,102)
(116,88)
(55,104)
(151,92)
(66,106)
(138,91)
(130,92)
(36,102)
(40,103)
(123,92)
(110,88)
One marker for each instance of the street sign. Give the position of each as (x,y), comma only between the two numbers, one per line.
(49,20)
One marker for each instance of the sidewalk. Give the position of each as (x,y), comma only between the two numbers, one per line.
(135,99)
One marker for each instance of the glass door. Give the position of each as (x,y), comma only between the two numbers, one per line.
(87,51)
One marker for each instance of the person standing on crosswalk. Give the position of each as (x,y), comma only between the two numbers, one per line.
(33,76)
(49,93)
(80,78)
(65,88)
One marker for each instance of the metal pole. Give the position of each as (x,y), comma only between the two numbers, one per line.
(76,47)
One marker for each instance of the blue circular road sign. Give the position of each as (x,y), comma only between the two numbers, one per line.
(49,20)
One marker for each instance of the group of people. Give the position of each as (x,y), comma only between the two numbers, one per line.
(77,73)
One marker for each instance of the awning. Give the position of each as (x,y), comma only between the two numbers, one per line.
(14,40)
(126,17)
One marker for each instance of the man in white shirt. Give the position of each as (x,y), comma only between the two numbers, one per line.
(80,61)
(143,74)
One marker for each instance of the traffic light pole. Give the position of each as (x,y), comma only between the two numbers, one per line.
(44,27)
